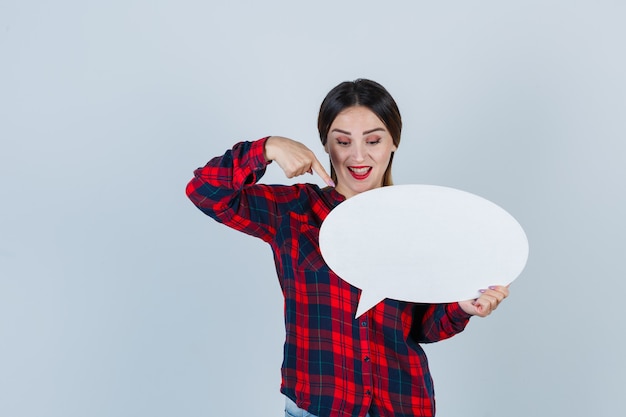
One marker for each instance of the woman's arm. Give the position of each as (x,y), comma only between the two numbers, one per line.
(434,322)
(225,190)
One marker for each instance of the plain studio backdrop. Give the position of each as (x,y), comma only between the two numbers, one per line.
(119,298)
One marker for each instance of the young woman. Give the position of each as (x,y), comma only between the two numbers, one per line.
(334,364)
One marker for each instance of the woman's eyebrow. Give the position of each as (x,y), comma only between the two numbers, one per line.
(378,129)
(367,132)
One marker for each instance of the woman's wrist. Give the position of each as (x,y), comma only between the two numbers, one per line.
(267,148)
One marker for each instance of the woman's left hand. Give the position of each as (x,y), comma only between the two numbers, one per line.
(487,302)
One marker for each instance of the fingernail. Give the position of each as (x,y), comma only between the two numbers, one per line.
(482,291)
(331,183)
(493,287)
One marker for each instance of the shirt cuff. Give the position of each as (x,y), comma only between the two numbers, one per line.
(455,312)
(257,153)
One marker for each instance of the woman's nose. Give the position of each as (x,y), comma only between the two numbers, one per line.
(359,153)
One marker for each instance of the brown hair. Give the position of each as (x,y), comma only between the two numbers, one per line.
(366,93)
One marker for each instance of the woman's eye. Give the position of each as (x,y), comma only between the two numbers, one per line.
(342,142)
(373,142)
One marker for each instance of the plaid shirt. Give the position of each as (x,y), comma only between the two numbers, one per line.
(334,364)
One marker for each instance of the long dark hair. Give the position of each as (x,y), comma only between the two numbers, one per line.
(366,93)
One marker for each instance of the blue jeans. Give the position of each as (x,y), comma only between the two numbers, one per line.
(292,410)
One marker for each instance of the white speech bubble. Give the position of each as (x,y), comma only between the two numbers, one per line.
(422,243)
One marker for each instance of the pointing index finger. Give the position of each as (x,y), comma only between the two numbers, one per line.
(319,170)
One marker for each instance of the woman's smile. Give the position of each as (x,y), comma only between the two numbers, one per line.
(360,172)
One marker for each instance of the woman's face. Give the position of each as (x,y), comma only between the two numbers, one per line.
(360,148)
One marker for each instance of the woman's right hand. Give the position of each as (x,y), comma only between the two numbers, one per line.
(294,158)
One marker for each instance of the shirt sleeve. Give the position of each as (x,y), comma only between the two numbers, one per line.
(435,322)
(225,189)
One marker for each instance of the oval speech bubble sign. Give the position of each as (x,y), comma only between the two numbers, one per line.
(422,243)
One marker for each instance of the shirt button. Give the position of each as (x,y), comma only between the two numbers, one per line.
(364,323)
(367,359)
(368,392)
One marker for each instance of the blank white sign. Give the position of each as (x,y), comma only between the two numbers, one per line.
(422,243)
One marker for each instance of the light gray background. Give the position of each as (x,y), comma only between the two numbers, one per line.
(119,298)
